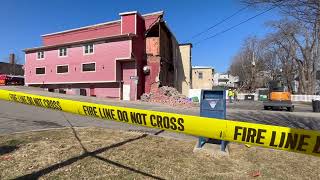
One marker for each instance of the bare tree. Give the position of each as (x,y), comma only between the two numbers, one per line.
(302,31)
(279,60)
(299,43)
(248,63)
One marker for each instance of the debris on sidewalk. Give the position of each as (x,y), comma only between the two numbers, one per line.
(167,95)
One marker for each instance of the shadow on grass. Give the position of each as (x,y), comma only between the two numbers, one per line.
(94,154)
(5,149)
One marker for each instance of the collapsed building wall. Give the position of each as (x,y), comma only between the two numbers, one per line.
(165,61)
(159,58)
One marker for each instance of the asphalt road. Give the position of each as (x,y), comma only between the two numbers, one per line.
(15,117)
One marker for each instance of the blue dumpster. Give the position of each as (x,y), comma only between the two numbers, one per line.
(213,105)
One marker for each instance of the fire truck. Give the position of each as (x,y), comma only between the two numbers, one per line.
(11,80)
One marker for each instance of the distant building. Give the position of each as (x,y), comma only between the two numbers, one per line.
(225,80)
(184,69)
(11,68)
(202,77)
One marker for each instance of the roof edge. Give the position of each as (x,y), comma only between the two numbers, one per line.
(101,24)
(127,13)
(80,42)
(185,44)
(80,28)
(202,67)
(154,13)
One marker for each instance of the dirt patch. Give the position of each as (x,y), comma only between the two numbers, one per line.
(105,154)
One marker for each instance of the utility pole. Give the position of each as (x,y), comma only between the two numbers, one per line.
(12,63)
(253,63)
(317,63)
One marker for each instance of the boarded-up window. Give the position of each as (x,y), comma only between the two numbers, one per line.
(89,67)
(62,69)
(41,70)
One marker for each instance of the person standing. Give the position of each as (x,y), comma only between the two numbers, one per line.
(230,94)
(235,94)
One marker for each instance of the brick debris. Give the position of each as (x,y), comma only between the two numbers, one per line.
(167,95)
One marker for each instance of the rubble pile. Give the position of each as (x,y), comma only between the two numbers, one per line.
(167,95)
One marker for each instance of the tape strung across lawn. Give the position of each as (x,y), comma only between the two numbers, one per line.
(283,138)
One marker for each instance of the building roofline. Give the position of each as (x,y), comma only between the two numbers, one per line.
(80,28)
(185,44)
(202,67)
(101,24)
(2,62)
(154,13)
(80,42)
(129,12)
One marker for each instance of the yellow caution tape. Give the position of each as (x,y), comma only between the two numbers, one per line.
(276,137)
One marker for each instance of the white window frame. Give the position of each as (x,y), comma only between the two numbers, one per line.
(65,52)
(40,57)
(45,70)
(62,65)
(95,67)
(84,49)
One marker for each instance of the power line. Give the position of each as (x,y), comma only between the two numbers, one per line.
(232,27)
(220,22)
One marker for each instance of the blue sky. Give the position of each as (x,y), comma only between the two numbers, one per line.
(23,22)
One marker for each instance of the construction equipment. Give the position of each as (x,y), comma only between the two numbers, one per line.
(279,97)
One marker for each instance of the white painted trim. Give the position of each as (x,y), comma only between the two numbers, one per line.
(59,52)
(124,59)
(136,74)
(39,59)
(84,49)
(202,67)
(80,28)
(129,12)
(130,52)
(95,67)
(100,24)
(154,13)
(119,94)
(62,65)
(135,24)
(45,70)
(81,42)
(76,82)
(121,26)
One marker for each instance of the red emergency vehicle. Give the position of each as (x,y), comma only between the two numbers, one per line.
(11,80)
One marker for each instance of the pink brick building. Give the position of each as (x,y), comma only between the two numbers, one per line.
(102,60)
